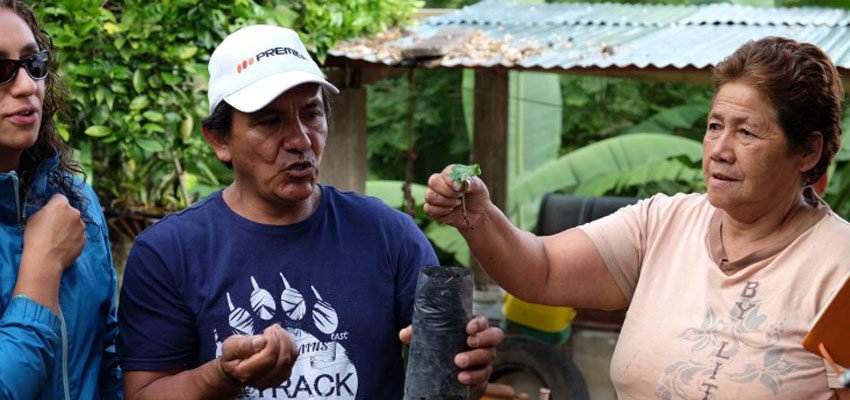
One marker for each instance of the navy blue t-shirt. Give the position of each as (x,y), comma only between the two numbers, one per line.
(341,282)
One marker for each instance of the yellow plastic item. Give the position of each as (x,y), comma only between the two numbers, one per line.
(543,318)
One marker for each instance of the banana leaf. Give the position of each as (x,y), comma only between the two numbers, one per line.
(534,132)
(681,117)
(447,238)
(391,192)
(651,172)
(610,156)
(444,237)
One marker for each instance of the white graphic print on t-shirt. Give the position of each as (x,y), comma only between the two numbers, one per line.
(323,369)
(716,355)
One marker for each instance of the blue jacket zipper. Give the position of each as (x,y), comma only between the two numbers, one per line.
(20,206)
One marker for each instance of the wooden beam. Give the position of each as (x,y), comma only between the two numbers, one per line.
(344,158)
(695,76)
(666,74)
(423,13)
(490,142)
(348,76)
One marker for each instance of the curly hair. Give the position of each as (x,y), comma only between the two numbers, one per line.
(48,144)
(803,87)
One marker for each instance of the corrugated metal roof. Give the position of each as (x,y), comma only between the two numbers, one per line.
(494,12)
(581,35)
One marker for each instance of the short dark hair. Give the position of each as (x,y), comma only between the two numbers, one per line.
(803,87)
(220,122)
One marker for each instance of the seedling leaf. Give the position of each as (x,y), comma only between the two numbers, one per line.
(461,172)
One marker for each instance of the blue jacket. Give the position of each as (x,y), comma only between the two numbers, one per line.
(49,356)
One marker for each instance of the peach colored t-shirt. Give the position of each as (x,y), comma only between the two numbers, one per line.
(700,327)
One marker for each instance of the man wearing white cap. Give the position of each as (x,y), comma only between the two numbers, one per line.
(276,286)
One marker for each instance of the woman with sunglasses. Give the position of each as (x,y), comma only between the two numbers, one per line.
(57,283)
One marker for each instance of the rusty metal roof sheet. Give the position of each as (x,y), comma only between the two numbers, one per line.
(580,35)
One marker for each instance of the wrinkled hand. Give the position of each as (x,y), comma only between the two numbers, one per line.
(260,361)
(477,363)
(55,234)
(443,199)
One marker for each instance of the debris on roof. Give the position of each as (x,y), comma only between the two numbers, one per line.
(581,35)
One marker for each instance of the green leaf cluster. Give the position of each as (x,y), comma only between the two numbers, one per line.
(136,71)
(450,246)
(323,22)
(461,172)
(596,108)
(838,185)
(137,74)
(438,123)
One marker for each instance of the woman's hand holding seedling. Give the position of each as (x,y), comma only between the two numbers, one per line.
(457,196)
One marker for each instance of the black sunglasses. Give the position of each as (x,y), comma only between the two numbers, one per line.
(36,66)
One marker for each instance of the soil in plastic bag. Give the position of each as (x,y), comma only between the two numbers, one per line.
(442,307)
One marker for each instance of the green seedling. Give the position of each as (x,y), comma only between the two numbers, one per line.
(461,174)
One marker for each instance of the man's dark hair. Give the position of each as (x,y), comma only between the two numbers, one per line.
(803,87)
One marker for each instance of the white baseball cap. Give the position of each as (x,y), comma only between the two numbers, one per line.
(256,64)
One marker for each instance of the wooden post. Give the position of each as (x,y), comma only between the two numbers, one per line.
(490,143)
(344,158)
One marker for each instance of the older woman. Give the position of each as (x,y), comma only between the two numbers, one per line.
(57,284)
(721,287)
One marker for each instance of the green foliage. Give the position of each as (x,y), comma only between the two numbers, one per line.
(134,72)
(323,22)
(677,118)
(535,107)
(448,242)
(439,132)
(814,3)
(596,108)
(461,172)
(534,120)
(838,186)
(671,175)
(535,104)
(137,75)
(448,3)
(391,192)
(450,246)
(617,155)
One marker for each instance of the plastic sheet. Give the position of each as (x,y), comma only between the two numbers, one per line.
(441,310)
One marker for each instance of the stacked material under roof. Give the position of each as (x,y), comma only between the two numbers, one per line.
(606,36)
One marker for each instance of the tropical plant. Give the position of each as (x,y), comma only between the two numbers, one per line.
(634,161)
(134,70)
(534,128)
(596,108)
(838,187)
(619,159)
(449,244)
(538,132)
(324,22)
(664,155)
(439,134)
(137,74)
(448,3)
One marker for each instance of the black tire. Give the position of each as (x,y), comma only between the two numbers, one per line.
(520,353)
